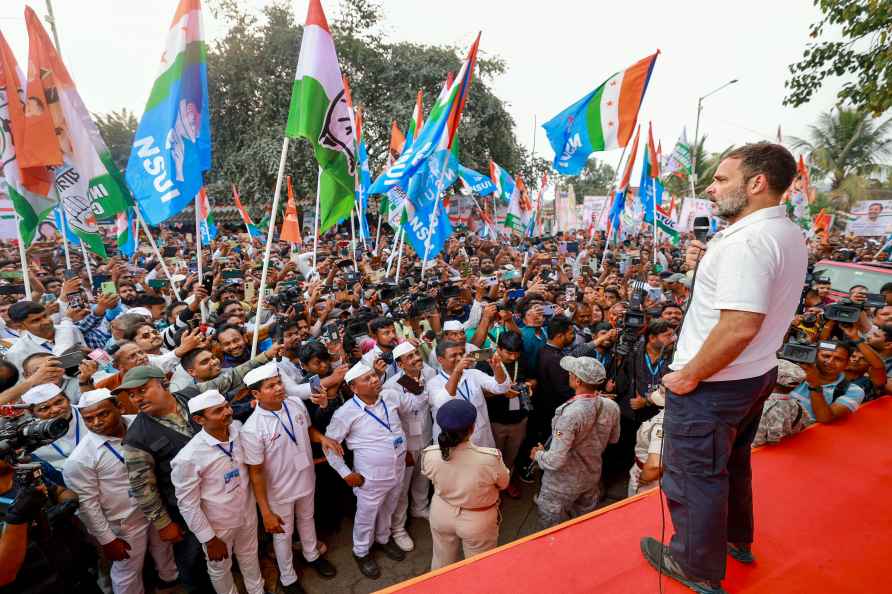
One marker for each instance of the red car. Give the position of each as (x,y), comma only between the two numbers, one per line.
(844,275)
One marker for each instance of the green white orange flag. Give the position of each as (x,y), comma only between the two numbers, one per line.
(320,114)
(417,118)
(88,183)
(31,207)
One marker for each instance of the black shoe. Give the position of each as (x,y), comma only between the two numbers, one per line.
(657,554)
(392,551)
(294,588)
(741,552)
(368,566)
(323,568)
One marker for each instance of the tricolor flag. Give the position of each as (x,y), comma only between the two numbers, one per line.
(417,119)
(290,225)
(206,224)
(679,162)
(602,120)
(650,188)
(253,231)
(172,147)
(443,119)
(503,182)
(667,225)
(514,216)
(32,206)
(319,113)
(619,200)
(126,232)
(87,183)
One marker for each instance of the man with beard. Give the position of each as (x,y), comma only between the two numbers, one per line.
(826,394)
(127,293)
(147,338)
(582,321)
(749,283)
(96,472)
(672,314)
(386,339)
(37,333)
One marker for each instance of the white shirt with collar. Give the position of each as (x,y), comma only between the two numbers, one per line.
(211,483)
(755,265)
(57,452)
(473,383)
(370,357)
(375,435)
(280,440)
(95,470)
(418,423)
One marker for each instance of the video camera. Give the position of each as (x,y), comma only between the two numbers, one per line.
(22,434)
(285,297)
(632,322)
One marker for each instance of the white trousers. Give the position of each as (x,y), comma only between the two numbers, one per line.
(418,486)
(375,504)
(241,542)
(140,534)
(301,511)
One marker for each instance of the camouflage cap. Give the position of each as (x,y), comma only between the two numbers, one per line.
(587,369)
(789,374)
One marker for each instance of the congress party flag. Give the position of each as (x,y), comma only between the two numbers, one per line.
(443,119)
(290,224)
(602,120)
(417,119)
(423,227)
(252,229)
(650,189)
(320,113)
(619,199)
(206,225)
(87,182)
(503,182)
(172,147)
(126,232)
(679,162)
(31,205)
(476,183)
(666,225)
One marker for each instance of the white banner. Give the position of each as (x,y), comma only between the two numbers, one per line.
(691,209)
(872,218)
(592,209)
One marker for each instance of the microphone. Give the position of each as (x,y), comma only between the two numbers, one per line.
(701,228)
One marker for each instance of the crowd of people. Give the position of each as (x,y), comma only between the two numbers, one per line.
(506,362)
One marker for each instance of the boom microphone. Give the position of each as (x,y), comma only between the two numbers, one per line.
(701,228)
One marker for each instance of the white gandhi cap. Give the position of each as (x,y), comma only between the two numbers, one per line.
(453,326)
(356,371)
(403,348)
(40,394)
(258,374)
(94,397)
(205,400)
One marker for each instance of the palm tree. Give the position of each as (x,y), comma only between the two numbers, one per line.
(845,147)
(706,165)
(117,129)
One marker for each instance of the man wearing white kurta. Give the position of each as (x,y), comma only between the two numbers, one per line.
(95,471)
(411,383)
(276,440)
(214,495)
(457,379)
(372,427)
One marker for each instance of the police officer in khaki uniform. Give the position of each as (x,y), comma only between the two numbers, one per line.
(464,512)
(648,467)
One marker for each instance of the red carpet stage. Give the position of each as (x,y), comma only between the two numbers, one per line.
(823,503)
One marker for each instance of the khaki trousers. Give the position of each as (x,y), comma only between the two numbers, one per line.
(455,530)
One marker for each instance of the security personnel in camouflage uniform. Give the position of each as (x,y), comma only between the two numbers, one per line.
(581,429)
(783,415)
(649,448)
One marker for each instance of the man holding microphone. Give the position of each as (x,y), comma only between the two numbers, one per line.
(747,287)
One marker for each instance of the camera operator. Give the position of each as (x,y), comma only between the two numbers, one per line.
(42,546)
(48,401)
(383,331)
(826,394)
(866,367)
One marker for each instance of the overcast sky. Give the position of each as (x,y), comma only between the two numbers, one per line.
(556,52)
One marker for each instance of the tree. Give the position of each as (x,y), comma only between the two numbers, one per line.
(707,163)
(594,180)
(863,53)
(118,129)
(249,77)
(844,148)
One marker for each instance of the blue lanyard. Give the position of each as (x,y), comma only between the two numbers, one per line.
(366,410)
(291,433)
(650,368)
(77,434)
(112,449)
(466,394)
(231,446)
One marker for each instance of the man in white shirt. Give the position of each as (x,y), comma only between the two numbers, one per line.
(371,423)
(214,496)
(48,401)
(37,333)
(383,331)
(96,472)
(276,441)
(411,383)
(748,285)
(458,379)
(455,331)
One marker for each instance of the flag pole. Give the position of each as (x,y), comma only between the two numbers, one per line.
(198,254)
(89,269)
(397,237)
(378,230)
(269,245)
(610,222)
(316,219)
(64,231)
(151,239)
(399,260)
(654,182)
(353,239)
(26,280)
